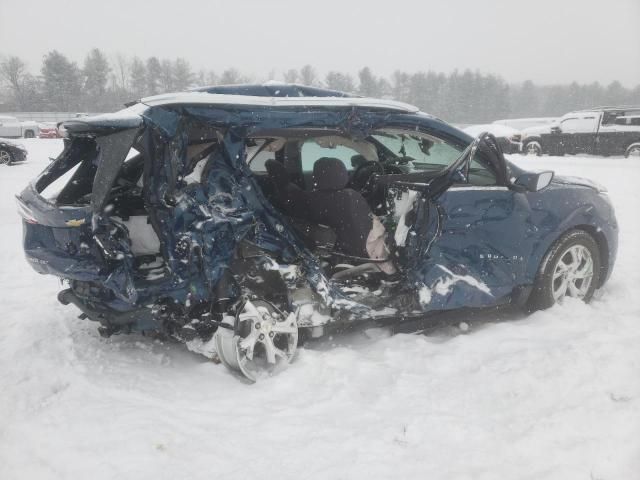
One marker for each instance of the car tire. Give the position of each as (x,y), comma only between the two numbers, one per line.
(6,157)
(532,148)
(571,267)
(632,150)
(29,134)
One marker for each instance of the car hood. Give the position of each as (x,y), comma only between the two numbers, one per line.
(578,181)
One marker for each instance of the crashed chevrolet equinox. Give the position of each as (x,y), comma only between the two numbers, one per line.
(243,224)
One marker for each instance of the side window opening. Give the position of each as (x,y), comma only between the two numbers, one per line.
(313,149)
(68,180)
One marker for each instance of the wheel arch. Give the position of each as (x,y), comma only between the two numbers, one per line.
(635,143)
(594,232)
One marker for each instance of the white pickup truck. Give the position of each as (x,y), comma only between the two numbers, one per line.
(11,127)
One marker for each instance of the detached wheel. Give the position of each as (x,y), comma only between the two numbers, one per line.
(633,150)
(260,340)
(570,268)
(5,157)
(533,148)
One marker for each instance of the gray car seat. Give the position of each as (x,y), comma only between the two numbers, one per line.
(342,209)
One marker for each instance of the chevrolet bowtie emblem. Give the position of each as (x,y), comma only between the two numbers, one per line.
(75,223)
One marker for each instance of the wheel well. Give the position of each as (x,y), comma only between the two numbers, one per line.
(603,246)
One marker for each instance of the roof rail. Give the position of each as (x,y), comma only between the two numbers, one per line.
(610,107)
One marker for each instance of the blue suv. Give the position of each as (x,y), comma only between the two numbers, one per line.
(243,224)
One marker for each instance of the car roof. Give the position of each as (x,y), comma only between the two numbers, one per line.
(273,89)
(204,98)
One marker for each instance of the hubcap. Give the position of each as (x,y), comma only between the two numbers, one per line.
(634,152)
(264,339)
(573,274)
(4,157)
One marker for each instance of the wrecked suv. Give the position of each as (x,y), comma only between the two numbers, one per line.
(243,224)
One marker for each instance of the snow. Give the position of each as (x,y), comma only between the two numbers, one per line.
(555,395)
(203,98)
(493,128)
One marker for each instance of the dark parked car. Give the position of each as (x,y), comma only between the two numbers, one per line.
(600,131)
(251,222)
(11,152)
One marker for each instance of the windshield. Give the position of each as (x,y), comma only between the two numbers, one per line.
(418,151)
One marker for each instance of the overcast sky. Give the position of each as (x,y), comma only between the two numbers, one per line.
(547,41)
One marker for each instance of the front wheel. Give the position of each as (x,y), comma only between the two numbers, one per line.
(633,150)
(533,148)
(5,157)
(571,268)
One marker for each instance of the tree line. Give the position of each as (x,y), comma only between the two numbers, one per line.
(103,84)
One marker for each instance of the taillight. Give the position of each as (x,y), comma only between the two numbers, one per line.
(25,212)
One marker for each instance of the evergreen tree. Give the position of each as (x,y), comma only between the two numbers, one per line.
(154,71)
(291,76)
(61,82)
(96,76)
(340,81)
(308,75)
(369,85)
(182,74)
(138,83)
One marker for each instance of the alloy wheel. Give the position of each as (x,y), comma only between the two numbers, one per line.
(5,157)
(258,341)
(573,273)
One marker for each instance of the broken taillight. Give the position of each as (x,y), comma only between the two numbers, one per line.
(25,212)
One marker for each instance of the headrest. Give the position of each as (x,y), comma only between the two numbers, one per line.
(277,172)
(329,174)
(358,160)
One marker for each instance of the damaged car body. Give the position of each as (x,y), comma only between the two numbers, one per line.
(242,224)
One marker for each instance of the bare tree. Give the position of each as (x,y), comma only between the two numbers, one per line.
(13,71)
(121,71)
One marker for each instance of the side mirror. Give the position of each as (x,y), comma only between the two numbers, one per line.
(534,182)
(556,129)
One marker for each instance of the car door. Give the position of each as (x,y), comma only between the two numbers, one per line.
(584,132)
(479,249)
(554,140)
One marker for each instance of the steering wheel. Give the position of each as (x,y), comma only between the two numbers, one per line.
(362,175)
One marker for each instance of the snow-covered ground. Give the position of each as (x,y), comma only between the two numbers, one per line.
(555,395)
